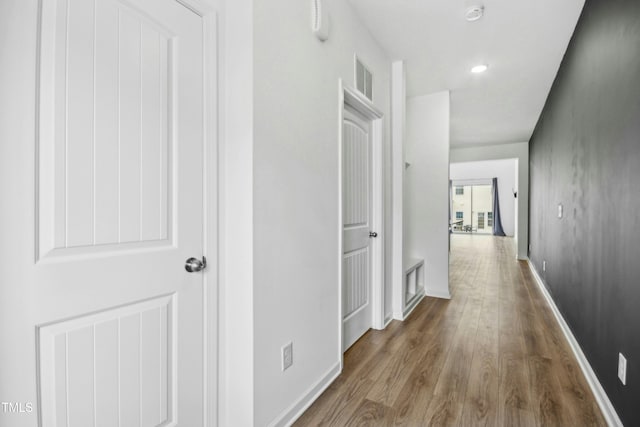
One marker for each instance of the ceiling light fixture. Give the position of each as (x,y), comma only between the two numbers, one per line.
(474,13)
(479,68)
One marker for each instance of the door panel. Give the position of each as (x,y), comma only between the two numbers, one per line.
(356,264)
(356,277)
(356,173)
(118,322)
(107,166)
(121,359)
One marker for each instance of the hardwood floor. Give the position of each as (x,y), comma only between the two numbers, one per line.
(493,355)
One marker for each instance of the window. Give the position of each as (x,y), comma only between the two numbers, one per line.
(480,220)
(459,215)
(489,219)
(459,191)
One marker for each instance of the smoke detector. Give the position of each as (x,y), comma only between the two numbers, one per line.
(474,13)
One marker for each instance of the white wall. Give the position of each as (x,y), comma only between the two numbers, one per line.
(236,217)
(295,193)
(519,151)
(426,195)
(505,171)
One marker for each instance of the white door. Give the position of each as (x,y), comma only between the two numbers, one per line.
(356,219)
(106,323)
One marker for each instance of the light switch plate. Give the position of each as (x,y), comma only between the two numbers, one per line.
(287,356)
(622,369)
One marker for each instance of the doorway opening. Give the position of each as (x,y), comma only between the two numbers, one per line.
(361,295)
(471,207)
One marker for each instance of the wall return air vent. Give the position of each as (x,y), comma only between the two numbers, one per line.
(364,79)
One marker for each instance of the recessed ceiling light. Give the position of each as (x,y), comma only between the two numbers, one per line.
(474,13)
(479,68)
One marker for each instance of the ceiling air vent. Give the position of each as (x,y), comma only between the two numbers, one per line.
(364,79)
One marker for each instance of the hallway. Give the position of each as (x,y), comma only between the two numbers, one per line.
(493,355)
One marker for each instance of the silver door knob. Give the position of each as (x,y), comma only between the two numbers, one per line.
(373,234)
(193,265)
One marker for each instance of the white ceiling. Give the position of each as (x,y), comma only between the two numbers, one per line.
(523,43)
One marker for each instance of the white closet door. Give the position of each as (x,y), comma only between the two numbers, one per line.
(356,215)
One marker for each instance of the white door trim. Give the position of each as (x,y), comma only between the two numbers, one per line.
(351,97)
(207,10)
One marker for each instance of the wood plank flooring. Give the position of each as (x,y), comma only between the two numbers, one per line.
(493,355)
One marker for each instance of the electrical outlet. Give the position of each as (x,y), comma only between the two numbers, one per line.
(622,369)
(287,356)
(544,266)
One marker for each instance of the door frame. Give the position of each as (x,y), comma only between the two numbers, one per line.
(468,183)
(349,96)
(208,11)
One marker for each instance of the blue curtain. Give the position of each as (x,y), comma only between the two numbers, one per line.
(497,223)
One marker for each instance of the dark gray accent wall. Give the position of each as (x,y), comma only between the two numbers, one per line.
(585,155)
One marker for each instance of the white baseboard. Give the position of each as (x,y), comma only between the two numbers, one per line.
(416,300)
(387,320)
(291,414)
(413,304)
(438,294)
(608,411)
